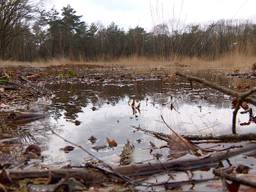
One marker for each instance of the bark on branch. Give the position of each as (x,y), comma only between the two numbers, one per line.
(223,138)
(221,88)
(240,96)
(93,176)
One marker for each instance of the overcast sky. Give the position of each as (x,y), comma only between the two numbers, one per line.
(147,13)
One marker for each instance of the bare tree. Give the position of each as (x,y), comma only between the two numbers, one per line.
(13,13)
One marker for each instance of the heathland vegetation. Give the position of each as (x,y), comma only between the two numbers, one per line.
(30,33)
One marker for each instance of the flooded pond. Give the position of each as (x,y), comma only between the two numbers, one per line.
(104,110)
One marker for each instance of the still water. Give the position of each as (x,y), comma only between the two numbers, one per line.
(104,110)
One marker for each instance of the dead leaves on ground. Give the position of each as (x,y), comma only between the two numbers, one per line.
(126,155)
(179,145)
(68,149)
(92,139)
(33,151)
(111,142)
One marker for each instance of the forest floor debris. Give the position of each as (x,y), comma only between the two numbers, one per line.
(24,86)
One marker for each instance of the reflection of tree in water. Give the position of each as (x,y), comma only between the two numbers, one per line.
(71,98)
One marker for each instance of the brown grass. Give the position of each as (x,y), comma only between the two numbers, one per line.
(228,63)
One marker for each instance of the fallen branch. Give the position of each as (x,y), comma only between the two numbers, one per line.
(87,175)
(134,170)
(243,181)
(223,138)
(110,171)
(183,165)
(204,139)
(220,88)
(158,135)
(240,96)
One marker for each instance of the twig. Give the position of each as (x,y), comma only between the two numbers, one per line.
(125,178)
(222,138)
(172,185)
(240,100)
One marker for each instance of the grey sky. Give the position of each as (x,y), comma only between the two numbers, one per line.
(147,13)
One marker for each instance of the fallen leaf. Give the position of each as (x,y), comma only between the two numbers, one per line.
(152,144)
(126,155)
(33,77)
(68,149)
(180,146)
(33,149)
(77,123)
(5,178)
(111,143)
(94,108)
(232,187)
(157,155)
(244,169)
(100,147)
(92,139)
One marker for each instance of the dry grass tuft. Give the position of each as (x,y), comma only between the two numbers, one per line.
(232,62)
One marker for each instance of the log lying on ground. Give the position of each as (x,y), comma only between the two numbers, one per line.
(223,138)
(148,169)
(217,87)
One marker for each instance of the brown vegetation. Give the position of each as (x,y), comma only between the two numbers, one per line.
(229,63)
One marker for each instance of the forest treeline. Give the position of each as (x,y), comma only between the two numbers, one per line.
(28,32)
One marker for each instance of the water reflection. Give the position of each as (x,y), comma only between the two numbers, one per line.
(109,110)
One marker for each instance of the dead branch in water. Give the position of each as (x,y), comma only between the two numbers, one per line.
(111,171)
(223,138)
(240,96)
(211,160)
(221,88)
(204,139)
(148,169)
